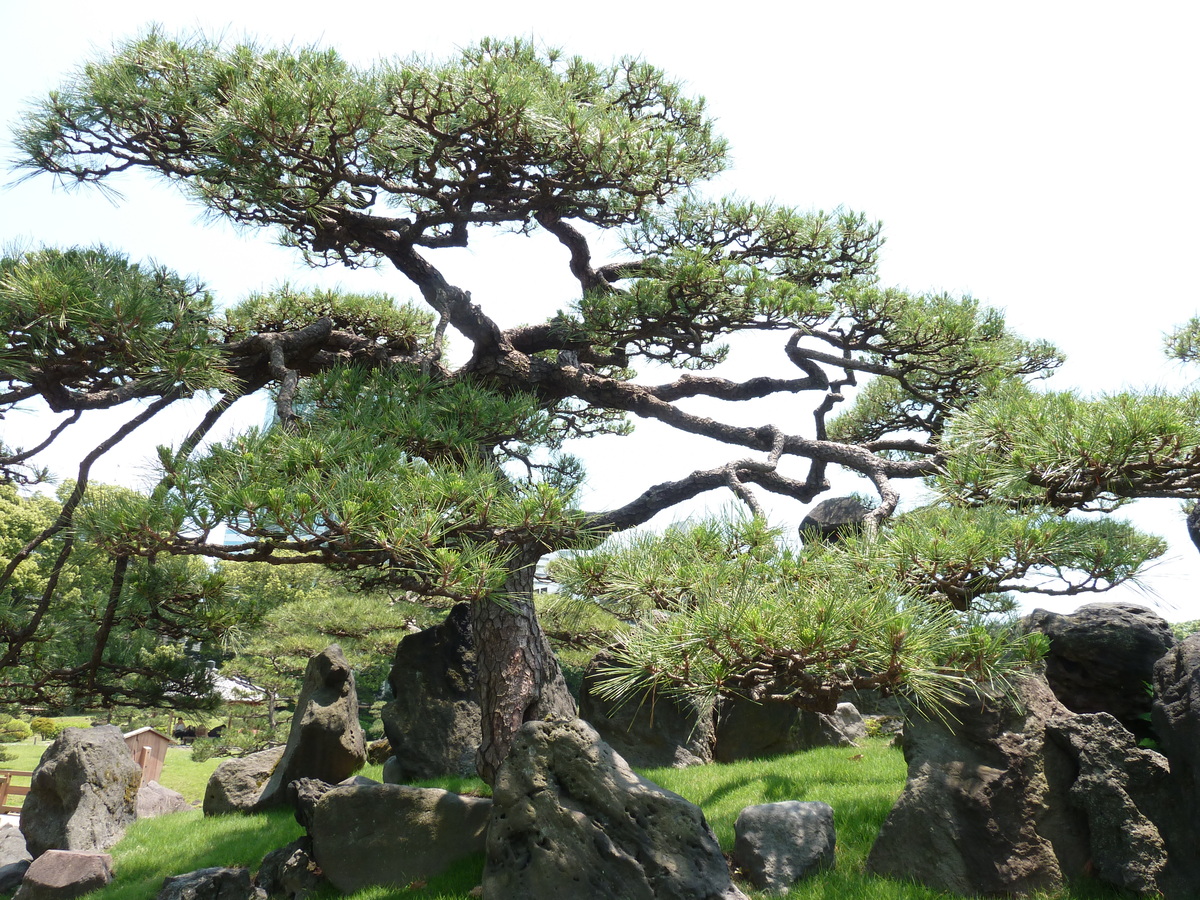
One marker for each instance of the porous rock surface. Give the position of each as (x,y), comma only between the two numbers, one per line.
(290,872)
(1013,795)
(975,816)
(83,794)
(571,819)
(1115,781)
(1102,658)
(1177,726)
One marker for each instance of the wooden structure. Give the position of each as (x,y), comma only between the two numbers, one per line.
(149,749)
(9,790)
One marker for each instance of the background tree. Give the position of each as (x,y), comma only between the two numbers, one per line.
(45,728)
(143,645)
(393,458)
(307,609)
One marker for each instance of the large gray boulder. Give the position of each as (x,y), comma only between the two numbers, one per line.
(975,815)
(1116,781)
(1102,658)
(389,834)
(778,844)
(571,819)
(83,794)
(326,740)
(1177,725)
(64,874)
(434,722)
(236,785)
(648,731)
(749,730)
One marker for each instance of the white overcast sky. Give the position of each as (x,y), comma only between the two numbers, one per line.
(1039,156)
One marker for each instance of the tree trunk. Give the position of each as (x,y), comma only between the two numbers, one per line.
(519,676)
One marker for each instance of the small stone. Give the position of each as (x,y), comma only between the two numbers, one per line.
(64,874)
(778,844)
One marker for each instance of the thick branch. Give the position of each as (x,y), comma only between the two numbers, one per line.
(724,389)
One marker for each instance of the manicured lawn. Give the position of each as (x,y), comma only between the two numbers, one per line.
(181,774)
(860,783)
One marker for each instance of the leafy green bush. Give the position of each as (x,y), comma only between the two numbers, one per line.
(46,728)
(13,730)
(1184,630)
(204,749)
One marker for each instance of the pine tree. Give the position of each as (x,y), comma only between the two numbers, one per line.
(447,479)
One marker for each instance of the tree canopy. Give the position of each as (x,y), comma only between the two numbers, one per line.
(395,461)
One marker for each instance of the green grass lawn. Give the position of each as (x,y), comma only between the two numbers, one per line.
(861,784)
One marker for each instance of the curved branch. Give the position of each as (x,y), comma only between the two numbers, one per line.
(581,254)
(450,302)
(58,429)
(640,401)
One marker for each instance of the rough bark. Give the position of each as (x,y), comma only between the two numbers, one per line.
(519,676)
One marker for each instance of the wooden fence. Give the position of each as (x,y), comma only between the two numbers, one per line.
(10,791)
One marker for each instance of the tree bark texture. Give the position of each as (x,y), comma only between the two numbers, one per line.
(519,676)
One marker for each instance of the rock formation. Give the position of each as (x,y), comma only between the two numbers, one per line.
(778,844)
(434,723)
(325,740)
(83,794)
(571,819)
(1102,659)
(390,834)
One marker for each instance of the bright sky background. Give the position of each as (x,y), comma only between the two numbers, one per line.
(1039,156)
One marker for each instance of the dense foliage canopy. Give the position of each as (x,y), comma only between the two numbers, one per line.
(393,460)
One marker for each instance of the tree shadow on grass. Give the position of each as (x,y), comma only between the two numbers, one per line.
(184,842)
